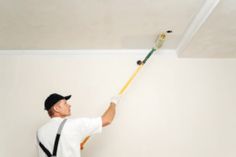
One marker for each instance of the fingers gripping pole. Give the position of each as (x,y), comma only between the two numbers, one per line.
(158,44)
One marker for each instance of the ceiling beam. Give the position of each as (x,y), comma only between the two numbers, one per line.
(196,23)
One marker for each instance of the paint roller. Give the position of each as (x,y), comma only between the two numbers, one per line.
(158,44)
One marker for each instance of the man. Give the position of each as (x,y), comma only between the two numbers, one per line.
(62,137)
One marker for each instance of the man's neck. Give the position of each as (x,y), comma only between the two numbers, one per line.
(58,116)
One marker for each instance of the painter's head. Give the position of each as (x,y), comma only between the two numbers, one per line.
(57,105)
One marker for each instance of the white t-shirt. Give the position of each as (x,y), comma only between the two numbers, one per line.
(73,133)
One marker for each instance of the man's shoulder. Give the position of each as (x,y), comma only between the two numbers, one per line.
(50,125)
(83,119)
(42,128)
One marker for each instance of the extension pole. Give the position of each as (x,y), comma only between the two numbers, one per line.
(158,44)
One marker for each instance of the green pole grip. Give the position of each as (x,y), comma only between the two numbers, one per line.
(149,55)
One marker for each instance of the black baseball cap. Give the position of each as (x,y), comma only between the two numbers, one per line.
(53,99)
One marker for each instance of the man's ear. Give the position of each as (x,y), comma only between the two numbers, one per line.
(56,108)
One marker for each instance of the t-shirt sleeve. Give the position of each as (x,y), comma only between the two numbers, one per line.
(88,126)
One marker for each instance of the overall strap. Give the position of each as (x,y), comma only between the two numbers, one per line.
(58,137)
(46,151)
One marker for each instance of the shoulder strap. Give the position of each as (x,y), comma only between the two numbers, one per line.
(46,151)
(58,137)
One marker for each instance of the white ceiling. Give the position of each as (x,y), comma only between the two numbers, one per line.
(117,24)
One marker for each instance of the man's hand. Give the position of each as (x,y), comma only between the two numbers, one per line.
(116,99)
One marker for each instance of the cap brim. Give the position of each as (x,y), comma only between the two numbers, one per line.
(67,97)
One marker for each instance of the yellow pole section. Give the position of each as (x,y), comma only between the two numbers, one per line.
(131,79)
(83,143)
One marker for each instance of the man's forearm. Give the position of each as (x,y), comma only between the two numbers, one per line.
(108,115)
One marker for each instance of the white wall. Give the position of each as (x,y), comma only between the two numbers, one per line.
(175,107)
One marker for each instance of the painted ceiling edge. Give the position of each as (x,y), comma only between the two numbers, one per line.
(88,52)
(196,23)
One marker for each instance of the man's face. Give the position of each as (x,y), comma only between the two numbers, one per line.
(63,108)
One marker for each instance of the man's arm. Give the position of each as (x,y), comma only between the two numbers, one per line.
(109,114)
